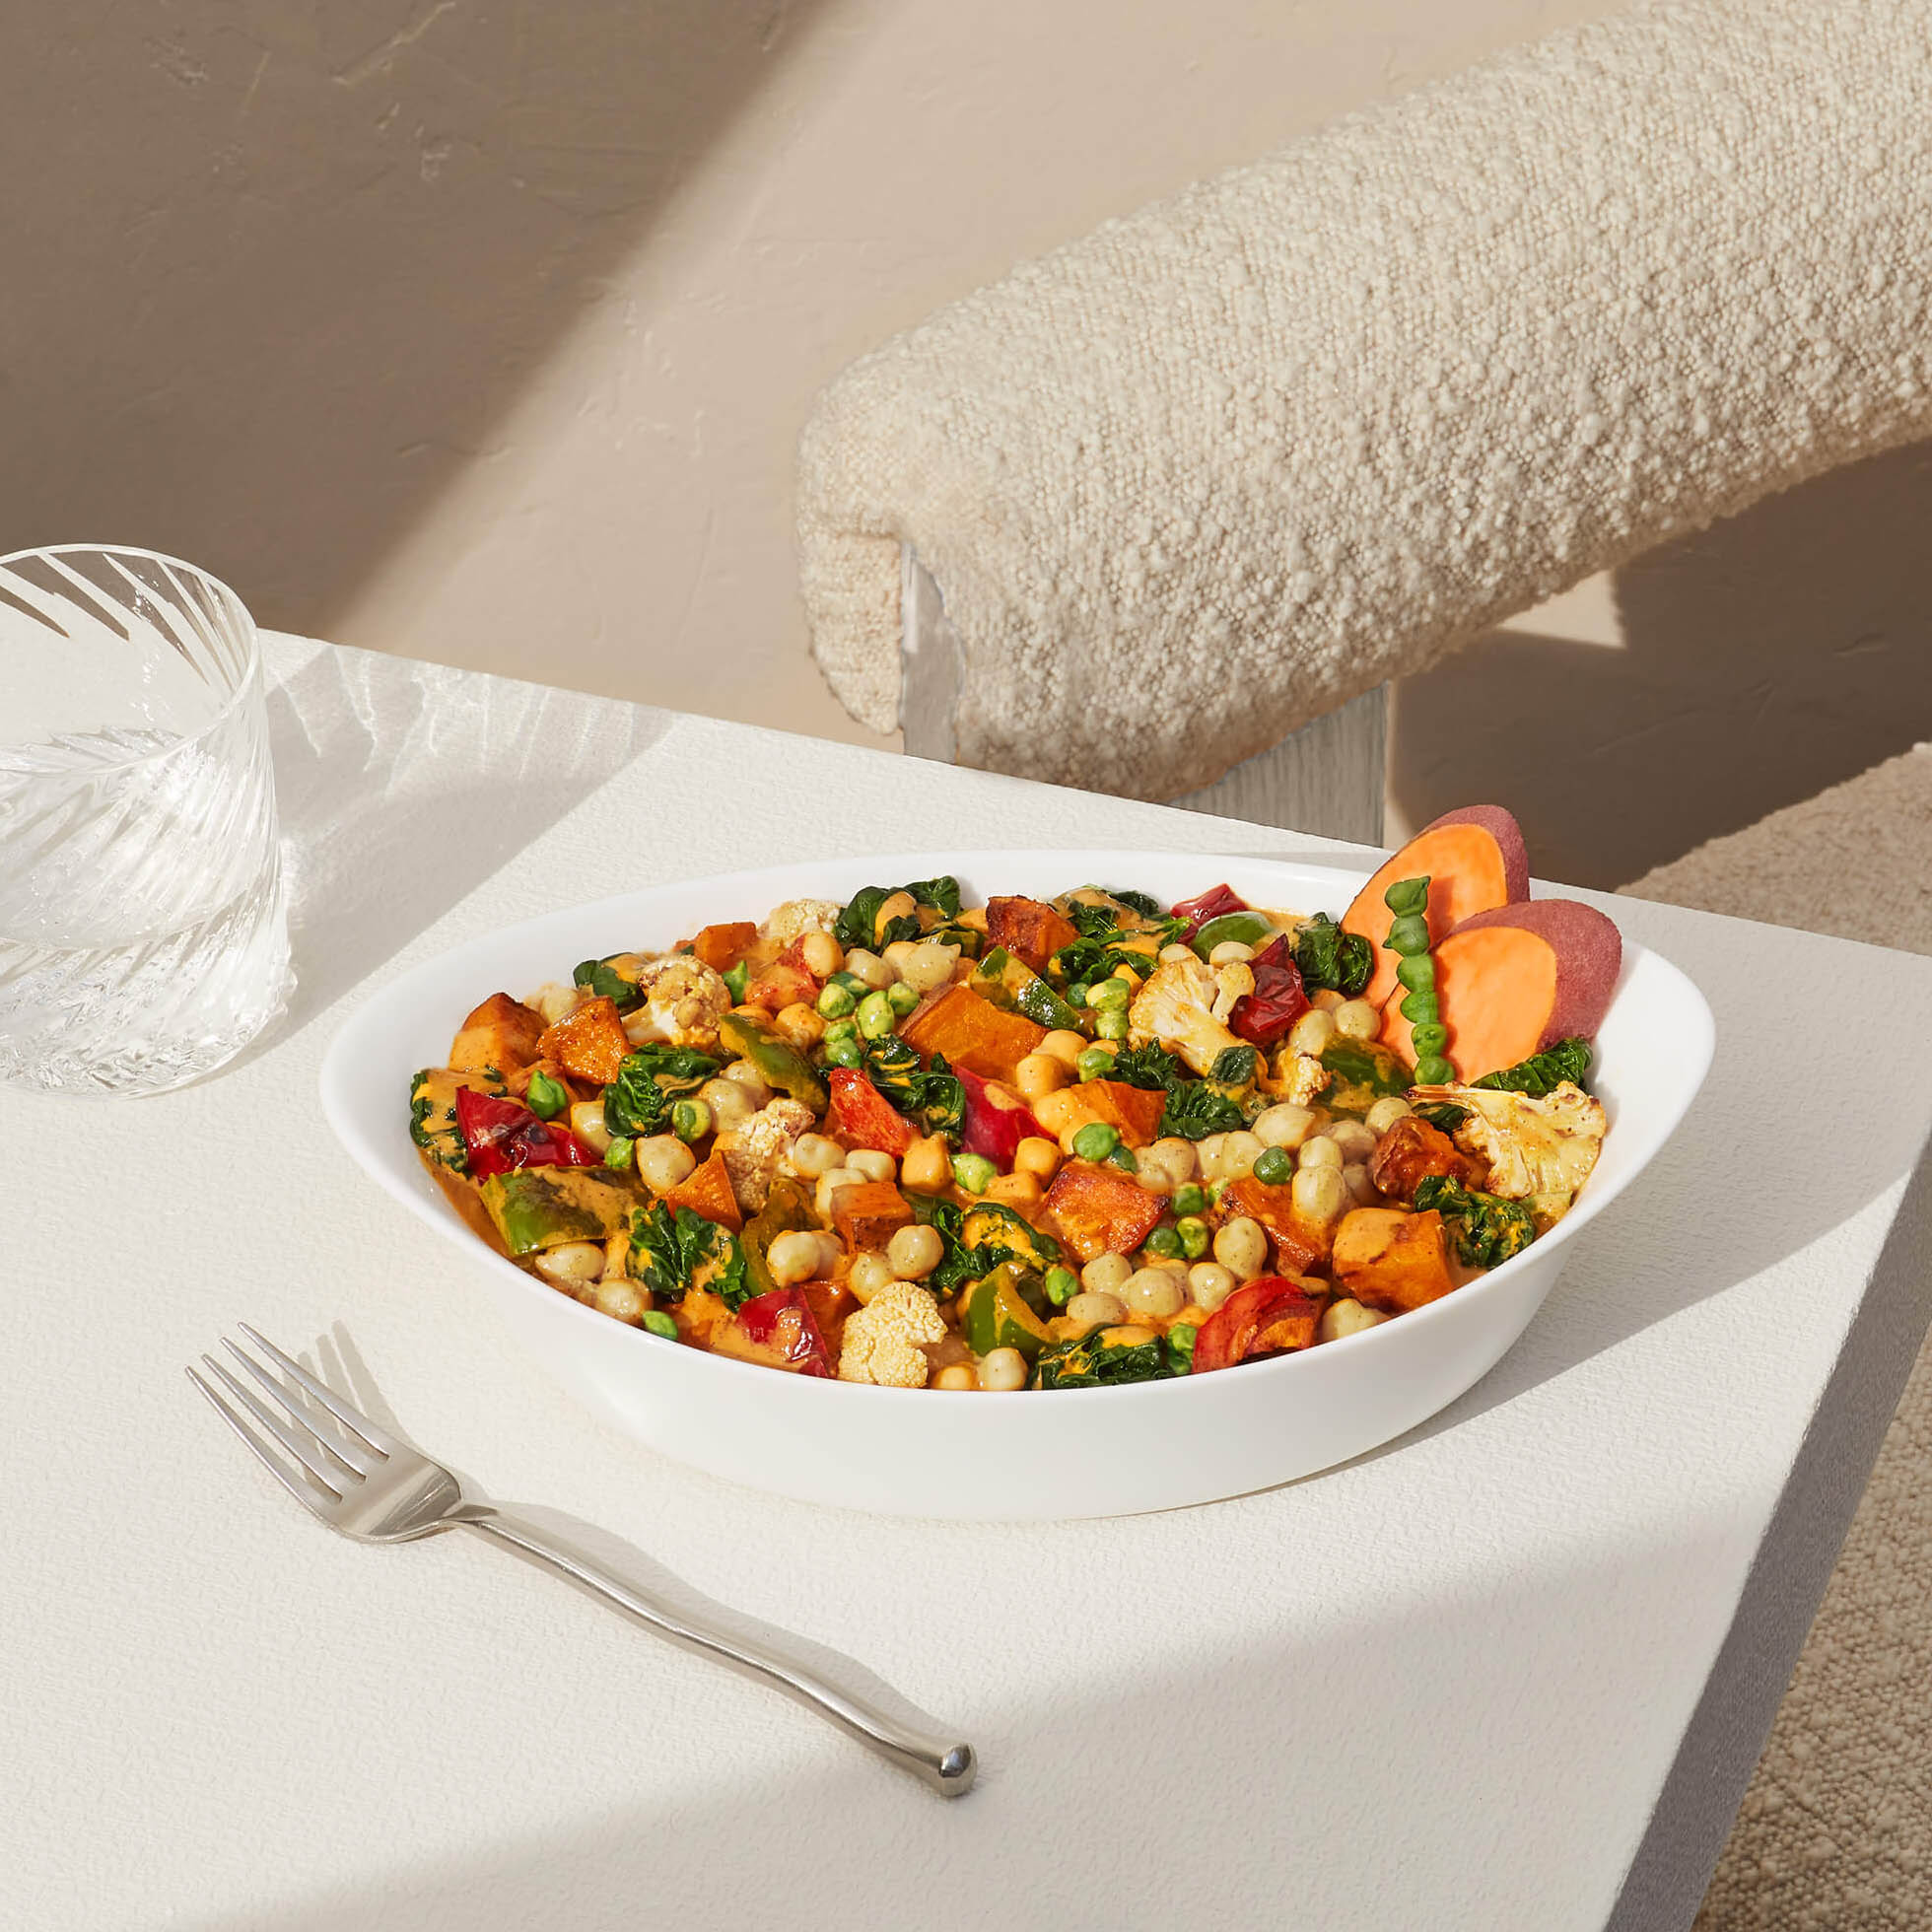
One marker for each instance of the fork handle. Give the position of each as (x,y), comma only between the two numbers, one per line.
(948,1768)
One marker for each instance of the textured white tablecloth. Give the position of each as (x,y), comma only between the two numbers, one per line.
(1443,1688)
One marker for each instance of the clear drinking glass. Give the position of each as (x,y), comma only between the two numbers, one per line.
(143,928)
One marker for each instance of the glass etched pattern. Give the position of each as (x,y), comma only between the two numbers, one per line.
(143,926)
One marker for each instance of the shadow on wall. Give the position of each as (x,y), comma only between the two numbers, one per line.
(1761,661)
(326,235)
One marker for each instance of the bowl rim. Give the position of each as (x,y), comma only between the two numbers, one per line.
(344,1116)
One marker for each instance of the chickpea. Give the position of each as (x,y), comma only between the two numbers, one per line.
(1361,1189)
(1016,1189)
(623,1301)
(956,1376)
(868,969)
(1066,1045)
(746,1075)
(1233,1158)
(730,1104)
(1152,1291)
(1312,1033)
(813,1154)
(894,906)
(1284,1126)
(1356,1138)
(1002,1370)
(1356,1019)
(1060,1115)
(1104,1275)
(1174,954)
(1210,1284)
(571,1263)
(663,1160)
(1166,1165)
(1241,1247)
(1347,1317)
(1038,1157)
(1385,1113)
(875,1165)
(1039,1074)
(928,965)
(1325,1001)
(915,1252)
(799,1024)
(1320,1194)
(587,1122)
(829,1185)
(1231,952)
(792,1257)
(555,1001)
(1092,1311)
(926,1166)
(896,954)
(822,954)
(872,1271)
(1322,1150)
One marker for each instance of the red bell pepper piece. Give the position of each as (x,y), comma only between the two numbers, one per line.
(782,1320)
(992,1130)
(861,1115)
(501,1134)
(1211,904)
(1278,1000)
(1269,1303)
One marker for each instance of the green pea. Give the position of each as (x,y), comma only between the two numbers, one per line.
(1181,1338)
(1105,994)
(1190,1199)
(1164,1243)
(1094,1063)
(876,1019)
(546,1098)
(836,1002)
(1409,935)
(901,998)
(1428,1041)
(843,1029)
(1273,1166)
(1408,896)
(845,1052)
(1096,1141)
(1063,1285)
(1417,973)
(621,1153)
(1111,1023)
(736,981)
(972,1173)
(852,982)
(690,1120)
(1197,1237)
(1421,1009)
(1076,994)
(1123,1158)
(658,1323)
(1434,1071)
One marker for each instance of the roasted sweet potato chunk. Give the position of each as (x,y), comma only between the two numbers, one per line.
(972,1033)
(869,1213)
(1099,1211)
(1411,1151)
(1029,929)
(1393,1259)
(707,1190)
(502,1033)
(1299,1244)
(721,947)
(1135,1112)
(589,1042)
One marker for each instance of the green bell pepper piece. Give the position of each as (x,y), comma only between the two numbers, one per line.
(998,1313)
(1252,928)
(781,1063)
(538,1208)
(787,1211)
(1011,985)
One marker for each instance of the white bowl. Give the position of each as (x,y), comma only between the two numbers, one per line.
(907,1452)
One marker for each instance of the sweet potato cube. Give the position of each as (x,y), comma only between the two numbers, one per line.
(1099,1211)
(869,1213)
(589,1042)
(1393,1259)
(721,947)
(1412,1152)
(1029,930)
(972,1033)
(707,1190)
(502,1033)
(1135,1112)
(1299,1244)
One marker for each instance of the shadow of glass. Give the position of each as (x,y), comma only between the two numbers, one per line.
(1771,655)
(367,224)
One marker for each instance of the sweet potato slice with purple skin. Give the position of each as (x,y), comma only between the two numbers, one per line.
(502,1033)
(1474,860)
(1029,930)
(972,1033)
(589,1042)
(1099,1211)
(707,1190)
(1391,1259)
(1515,980)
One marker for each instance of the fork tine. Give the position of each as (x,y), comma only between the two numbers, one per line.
(305,1493)
(352,1456)
(344,1412)
(302,1448)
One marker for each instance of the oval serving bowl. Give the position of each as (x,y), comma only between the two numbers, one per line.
(1038,1455)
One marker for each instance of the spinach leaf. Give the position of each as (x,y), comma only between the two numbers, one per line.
(1488,1228)
(604,981)
(1543,1072)
(1234,1067)
(1093,1363)
(1327,956)
(978,1239)
(1196,1109)
(639,1101)
(1443,1114)
(1152,1067)
(934,1096)
(1144,903)
(668,1246)
(941,893)
(857,924)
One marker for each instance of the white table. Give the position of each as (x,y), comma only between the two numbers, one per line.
(1510,1673)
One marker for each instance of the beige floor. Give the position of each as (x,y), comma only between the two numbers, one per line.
(1835,1833)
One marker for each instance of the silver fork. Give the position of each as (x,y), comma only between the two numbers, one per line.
(378,1489)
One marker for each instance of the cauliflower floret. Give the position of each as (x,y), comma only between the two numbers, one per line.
(1178,1007)
(753,1150)
(1301,1077)
(885,1342)
(798,917)
(1535,1147)
(683,1002)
